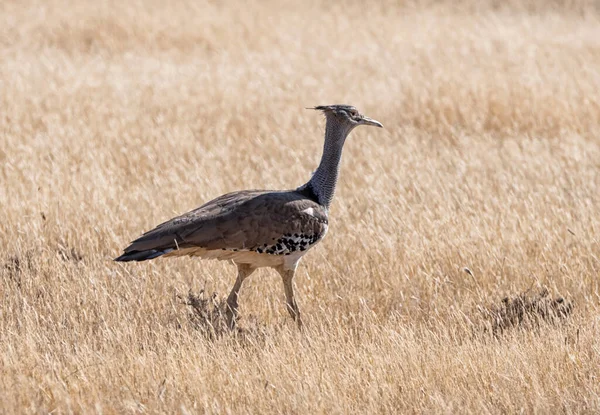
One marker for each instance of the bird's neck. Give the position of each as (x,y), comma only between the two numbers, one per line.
(325,178)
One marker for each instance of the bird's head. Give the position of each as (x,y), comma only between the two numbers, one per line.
(346,116)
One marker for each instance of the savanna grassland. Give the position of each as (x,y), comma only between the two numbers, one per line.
(115,116)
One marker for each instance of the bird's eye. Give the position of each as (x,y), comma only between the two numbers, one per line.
(354,113)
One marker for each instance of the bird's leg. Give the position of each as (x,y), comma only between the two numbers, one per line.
(288,285)
(244,271)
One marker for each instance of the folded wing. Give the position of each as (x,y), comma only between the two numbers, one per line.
(240,221)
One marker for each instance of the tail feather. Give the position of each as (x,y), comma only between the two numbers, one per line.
(142,255)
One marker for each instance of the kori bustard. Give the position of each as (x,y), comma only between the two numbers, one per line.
(259,228)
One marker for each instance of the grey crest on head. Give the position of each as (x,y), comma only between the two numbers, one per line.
(347,114)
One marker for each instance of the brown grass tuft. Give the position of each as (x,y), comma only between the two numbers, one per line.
(527,310)
(206,313)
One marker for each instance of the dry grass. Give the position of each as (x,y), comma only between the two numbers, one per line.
(116,117)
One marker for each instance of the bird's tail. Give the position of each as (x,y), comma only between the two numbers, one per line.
(141,255)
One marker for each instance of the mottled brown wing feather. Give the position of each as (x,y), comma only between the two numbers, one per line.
(239,220)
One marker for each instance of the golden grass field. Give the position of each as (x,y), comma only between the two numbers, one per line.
(115,117)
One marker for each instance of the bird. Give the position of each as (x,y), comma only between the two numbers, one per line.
(259,228)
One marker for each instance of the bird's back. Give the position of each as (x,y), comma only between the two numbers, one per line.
(235,225)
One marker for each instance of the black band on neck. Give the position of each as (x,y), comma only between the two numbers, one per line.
(308,192)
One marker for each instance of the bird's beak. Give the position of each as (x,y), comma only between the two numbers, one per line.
(370,121)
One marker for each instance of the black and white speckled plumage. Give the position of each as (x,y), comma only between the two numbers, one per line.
(290,243)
